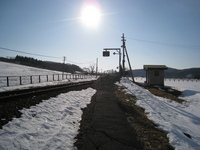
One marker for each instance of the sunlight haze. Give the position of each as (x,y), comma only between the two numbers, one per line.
(156,32)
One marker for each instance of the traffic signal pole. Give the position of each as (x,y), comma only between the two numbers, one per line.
(124,53)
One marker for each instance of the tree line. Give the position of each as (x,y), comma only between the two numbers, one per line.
(29,61)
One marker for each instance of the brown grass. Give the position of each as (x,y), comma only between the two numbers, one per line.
(148,134)
(164,94)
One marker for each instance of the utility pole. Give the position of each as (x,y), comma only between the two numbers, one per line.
(63,66)
(123,53)
(131,71)
(64,60)
(106,53)
(96,67)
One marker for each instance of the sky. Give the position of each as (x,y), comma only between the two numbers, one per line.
(157,32)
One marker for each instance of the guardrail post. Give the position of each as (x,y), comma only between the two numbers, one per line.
(31,79)
(20,80)
(39,79)
(47,78)
(7,81)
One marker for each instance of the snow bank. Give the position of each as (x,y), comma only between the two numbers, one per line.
(178,120)
(52,124)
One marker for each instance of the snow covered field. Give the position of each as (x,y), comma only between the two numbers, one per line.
(53,124)
(178,120)
(10,69)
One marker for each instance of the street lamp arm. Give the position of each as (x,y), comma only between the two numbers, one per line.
(113,49)
(110,49)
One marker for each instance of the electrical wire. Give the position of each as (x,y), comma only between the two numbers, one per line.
(18,51)
(167,44)
(80,63)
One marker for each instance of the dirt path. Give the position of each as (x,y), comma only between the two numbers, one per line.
(104,125)
(110,123)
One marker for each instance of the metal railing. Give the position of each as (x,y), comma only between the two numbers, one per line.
(33,79)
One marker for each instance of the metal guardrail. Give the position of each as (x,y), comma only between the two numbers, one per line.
(24,80)
(9,95)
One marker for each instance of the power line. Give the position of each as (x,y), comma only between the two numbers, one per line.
(167,44)
(81,63)
(18,51)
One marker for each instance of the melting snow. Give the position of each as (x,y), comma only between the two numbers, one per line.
(181,122)
(52,124)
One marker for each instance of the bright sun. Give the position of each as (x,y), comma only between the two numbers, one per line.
(90,14)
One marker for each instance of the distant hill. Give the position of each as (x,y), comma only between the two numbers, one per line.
(184,73)
(139,73)
(173,73)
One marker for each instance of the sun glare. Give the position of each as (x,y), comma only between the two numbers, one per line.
(90,14)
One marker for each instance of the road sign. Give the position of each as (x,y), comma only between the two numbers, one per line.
(106,53)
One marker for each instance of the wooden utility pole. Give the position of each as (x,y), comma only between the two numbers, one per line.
(123,53)
(131,71)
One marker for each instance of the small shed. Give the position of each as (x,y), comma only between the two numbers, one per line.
(155,74)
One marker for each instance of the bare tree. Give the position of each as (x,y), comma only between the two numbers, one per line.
(92,68)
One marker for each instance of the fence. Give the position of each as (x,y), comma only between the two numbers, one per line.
(142,79)
(183,80)
(24,80)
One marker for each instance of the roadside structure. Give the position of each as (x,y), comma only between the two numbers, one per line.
(155,74)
